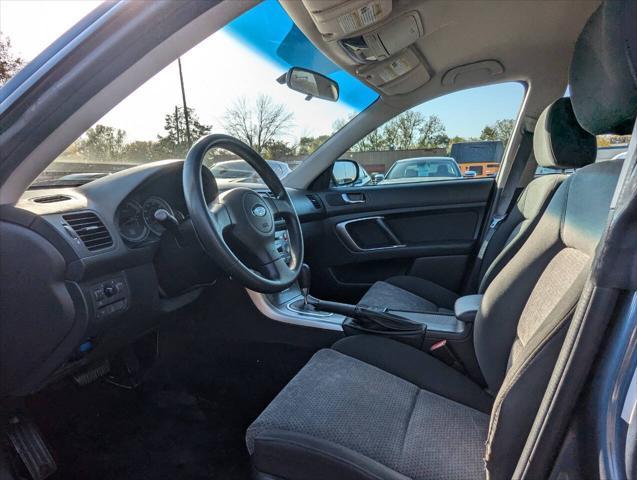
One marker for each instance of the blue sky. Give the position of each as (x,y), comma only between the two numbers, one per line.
(465,113)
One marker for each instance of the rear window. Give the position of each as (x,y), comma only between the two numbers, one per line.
(477,152)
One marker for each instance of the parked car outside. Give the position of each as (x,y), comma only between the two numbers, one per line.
(422,169)
(483,157)
(620,156)
(230,172)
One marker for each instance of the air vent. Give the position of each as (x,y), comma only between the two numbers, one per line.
(90,229)
(52,199)
(315,201)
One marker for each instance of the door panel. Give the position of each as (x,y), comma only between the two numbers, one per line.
(371,233)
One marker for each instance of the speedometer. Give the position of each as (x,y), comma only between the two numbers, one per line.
(151,205)
(130,220)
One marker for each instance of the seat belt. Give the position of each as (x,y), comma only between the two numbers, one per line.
(505,199)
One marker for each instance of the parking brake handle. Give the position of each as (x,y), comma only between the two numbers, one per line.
(366,316)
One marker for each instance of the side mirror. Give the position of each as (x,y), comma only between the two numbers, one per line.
(377,177)
(310,83)
(345,172)
(470,174)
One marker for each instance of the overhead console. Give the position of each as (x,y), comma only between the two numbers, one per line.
(381,41)
(402,73)
(337,19)
(385,41)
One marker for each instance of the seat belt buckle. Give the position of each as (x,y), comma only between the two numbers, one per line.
(496,220)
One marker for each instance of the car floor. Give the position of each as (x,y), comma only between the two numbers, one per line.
(188,417)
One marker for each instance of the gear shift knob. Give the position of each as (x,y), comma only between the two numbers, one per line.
(304,281)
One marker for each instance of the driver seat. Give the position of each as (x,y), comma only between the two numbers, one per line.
(373,408)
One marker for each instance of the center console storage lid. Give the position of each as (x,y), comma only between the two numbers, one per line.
(466,308)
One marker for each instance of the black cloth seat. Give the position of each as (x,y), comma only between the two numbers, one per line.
(411,294)
(343,418)
(559,142)
(373,409)
(416,367)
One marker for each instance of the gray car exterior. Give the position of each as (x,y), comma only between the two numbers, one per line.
(422,169)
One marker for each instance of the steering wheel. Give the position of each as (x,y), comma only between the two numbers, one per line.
(237,228)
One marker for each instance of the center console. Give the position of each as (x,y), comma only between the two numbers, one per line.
(447,336)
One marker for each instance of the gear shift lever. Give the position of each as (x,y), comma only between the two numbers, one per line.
(304,282)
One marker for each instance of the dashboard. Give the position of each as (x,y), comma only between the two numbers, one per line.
(91,268)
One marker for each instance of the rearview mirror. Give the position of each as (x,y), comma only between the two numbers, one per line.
(310,83)
(345,172)
(470,174)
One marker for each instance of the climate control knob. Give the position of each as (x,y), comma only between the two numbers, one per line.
(109,290)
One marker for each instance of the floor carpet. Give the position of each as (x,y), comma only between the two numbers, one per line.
(186,421)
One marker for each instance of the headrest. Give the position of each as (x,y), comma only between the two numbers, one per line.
(559,141)
(603,76)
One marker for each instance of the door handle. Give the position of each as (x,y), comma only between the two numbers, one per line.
(353,198)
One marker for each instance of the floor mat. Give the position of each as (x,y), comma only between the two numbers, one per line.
(187,421)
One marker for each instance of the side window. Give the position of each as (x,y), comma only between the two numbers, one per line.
(458,136)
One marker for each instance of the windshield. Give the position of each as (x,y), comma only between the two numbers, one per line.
(228,83)
(419,168)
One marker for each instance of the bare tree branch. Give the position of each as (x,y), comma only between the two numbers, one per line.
(260,125)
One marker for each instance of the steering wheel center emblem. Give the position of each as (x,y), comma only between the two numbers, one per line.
(259,211)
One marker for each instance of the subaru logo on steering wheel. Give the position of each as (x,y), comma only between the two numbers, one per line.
(259,211)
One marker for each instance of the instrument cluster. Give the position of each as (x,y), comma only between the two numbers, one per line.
(136,220)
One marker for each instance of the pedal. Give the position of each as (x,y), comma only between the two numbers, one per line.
(127,371)
(88,376)
(28,442)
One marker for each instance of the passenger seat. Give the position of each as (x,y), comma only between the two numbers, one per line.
(559,142)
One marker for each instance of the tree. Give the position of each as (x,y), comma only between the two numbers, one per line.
(259,124)
(373,141)
(500,130)
(488,133)
(278,149)
(433,133)
(406,127)
(175,143)
(457,139)
(308,144)
(409,130)
(9,63)
(341,122)
(103,144)
(141,151)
